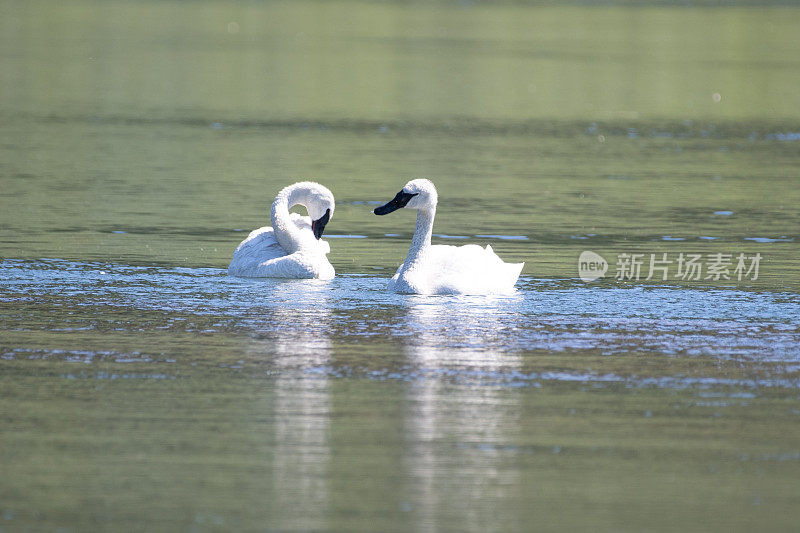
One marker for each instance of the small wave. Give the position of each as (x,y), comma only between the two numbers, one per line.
(785,137)
(769,239)
(445,236)
(505,237)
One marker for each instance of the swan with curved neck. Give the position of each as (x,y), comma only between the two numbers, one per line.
(292,247)
(441,269)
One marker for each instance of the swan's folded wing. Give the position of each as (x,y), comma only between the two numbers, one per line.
(258,247)
(469,269)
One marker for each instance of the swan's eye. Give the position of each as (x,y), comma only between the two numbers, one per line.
(405,197)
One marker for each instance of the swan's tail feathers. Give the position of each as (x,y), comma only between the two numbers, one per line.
(514,270)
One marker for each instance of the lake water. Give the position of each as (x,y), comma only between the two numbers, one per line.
(141,388)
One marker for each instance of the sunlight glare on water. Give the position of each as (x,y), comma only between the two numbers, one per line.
(541,316)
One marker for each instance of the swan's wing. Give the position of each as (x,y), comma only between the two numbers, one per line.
(469,269)
(260,246)
(295,266)
(298,265)
(260,256)
(261,240)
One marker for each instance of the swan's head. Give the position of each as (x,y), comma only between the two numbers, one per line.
(319,202)
(417,194)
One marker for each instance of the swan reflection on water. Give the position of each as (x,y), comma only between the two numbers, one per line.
(482,322)
(478,418)
(298,339)
(301,404)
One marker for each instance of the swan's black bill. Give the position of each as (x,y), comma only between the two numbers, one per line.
(396,203)
(318,226)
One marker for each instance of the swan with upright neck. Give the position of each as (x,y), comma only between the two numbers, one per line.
(441,269)
(292,247)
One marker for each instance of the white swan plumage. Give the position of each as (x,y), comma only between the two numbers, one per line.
(442,269)
(292,247)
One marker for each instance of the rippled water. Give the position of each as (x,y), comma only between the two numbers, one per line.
(542,316)
(142,388)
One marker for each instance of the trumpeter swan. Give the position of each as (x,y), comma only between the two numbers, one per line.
(443,269)
(292,247)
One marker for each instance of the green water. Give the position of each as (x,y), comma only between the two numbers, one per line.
(143,389)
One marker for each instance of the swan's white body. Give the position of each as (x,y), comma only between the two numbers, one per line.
(288,249)
(441,269)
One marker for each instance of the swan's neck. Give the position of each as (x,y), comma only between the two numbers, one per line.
(286,232)
(422,234)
